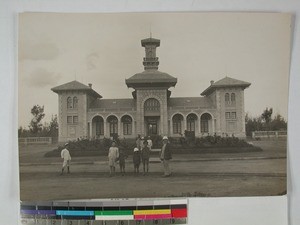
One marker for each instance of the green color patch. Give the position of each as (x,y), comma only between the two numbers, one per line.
(114,213)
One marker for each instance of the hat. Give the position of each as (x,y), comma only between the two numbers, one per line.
(135,149)
(142,138)
(66,144)
(165,138)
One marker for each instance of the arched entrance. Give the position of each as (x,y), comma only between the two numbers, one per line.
(191,122)
(127,125)
(206,125)
(177,123)
(97,126)
(113,126)
(152,116)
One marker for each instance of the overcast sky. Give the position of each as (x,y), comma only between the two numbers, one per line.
(105,49)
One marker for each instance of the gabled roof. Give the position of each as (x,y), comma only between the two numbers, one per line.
(190,102)
(226,82)
(113,103)
(151,78)
(75,86)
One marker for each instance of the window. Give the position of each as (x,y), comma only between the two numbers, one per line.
(69,103)
(152,104)
(227,115)
(227,101)
(232,97)
(177,119)
(127,125)
(69,119)
(75,102)
(113,125)
(99,124)
(230,115)
(233,115)
(75,119)
(191,118)
(205,118)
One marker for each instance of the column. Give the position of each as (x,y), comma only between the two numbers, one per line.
(90,124)
(213,125)
(199,126)
(105,128)
(184,125)
(119,128)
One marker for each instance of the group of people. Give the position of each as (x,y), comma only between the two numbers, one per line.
(141,153)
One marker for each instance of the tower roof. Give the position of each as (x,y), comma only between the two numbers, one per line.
(225,82)
(75,86)
(150,78)
(150,41)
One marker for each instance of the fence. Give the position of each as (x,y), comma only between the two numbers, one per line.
(35,140)
(269,134)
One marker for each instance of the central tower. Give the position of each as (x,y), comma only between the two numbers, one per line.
(151,93)
(150,60)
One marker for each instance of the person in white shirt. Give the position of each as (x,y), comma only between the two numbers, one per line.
(65,155)
(113,156)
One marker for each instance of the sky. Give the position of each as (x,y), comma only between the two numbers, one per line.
(105,49)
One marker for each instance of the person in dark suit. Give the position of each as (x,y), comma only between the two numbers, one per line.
(166,156)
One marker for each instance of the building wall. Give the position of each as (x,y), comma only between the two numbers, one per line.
(73,130)
(86,128)
(141,96)
(230,126)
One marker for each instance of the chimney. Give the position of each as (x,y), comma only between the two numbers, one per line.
(90,85)
(212,82)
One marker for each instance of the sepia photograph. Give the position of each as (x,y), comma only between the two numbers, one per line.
(151,105)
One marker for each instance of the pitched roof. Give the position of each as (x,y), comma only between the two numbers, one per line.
(113,103)
(190,102)
(226,82)
(151,78)
(75,86)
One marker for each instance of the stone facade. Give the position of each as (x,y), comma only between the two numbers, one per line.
(151,111)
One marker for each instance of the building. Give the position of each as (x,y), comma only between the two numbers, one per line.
(151,110)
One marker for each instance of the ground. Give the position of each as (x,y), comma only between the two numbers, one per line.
(209,175)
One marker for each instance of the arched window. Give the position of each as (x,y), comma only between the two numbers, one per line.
(232,98)
(204,122)
(152,104)
(191,121)
(177,119)
(99,125)
(75,102)
(69,103)
(227,100)
(113,125)
(127,125)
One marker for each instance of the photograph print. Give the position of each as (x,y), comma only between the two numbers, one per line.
(150,105)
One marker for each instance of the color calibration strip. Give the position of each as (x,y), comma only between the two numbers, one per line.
(105,212)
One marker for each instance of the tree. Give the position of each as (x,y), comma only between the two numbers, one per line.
(53,127)
(267,117)
(38,114)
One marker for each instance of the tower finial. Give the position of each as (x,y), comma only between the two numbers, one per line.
(150,31)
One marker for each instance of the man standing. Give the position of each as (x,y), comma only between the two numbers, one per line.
(165,156)
(65,154)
